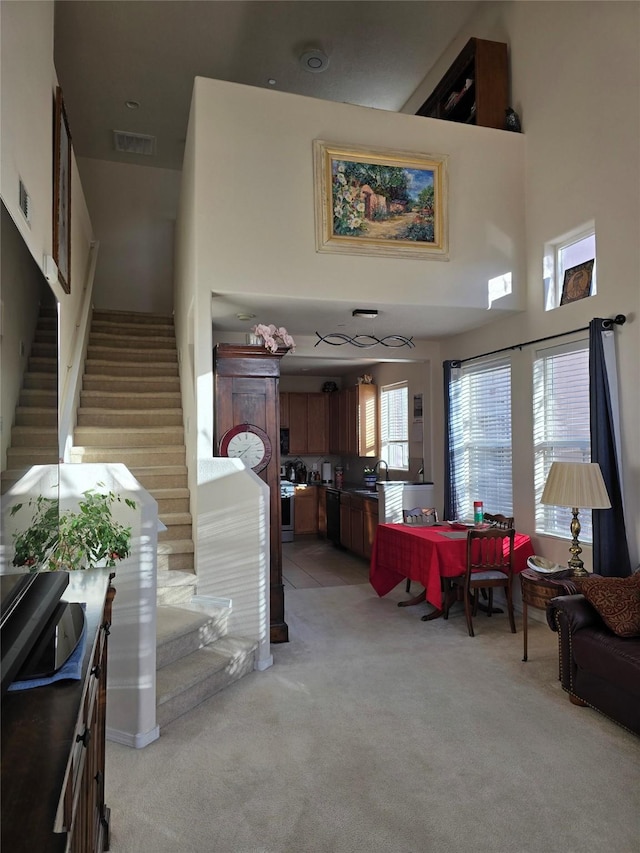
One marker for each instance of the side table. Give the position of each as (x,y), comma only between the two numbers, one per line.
(538,590)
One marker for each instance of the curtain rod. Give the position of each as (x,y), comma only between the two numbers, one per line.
(618,320)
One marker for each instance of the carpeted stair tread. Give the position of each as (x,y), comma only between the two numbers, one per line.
(132,457)
(176,546)
(136,370)
(130,400)
(182,685)
(103,315)
(133,437)
(181,631)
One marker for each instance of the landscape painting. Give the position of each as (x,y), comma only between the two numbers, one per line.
(376,201)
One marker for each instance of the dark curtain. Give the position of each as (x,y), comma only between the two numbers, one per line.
(449,486)
(610,549)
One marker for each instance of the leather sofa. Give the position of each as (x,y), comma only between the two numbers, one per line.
(597,667)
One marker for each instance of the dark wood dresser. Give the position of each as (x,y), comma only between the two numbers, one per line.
(53,744)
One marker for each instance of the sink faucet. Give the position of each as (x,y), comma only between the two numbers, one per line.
(376,467)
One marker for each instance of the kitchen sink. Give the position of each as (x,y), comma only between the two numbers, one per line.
(366,492)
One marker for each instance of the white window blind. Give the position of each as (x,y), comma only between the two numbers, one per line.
(561,427)
(480,397)
(394,425)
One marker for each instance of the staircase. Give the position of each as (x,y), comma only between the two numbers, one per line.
(130,412)
(34,435)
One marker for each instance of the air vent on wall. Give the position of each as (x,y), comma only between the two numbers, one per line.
(24,200)
(134,143)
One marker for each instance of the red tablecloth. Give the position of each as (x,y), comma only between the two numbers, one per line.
(425,554)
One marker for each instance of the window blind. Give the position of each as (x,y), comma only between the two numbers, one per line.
(481,456)
(561,427)
(394,425)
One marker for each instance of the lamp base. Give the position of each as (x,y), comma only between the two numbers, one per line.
(575,563)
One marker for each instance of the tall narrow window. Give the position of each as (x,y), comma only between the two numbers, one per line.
(394,425)
(563,254)
(561,427)
(480,395)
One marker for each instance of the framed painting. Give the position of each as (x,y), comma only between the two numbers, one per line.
(577,282)
(380,202)
(62,193)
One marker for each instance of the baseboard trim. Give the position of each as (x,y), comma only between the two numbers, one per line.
(136,741)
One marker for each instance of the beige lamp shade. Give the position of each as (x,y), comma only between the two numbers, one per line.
(576,484)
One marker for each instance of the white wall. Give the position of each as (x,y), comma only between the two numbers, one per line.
(26,150)
(575,80)
(133,210)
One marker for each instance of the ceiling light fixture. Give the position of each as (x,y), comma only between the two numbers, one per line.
(132,105)
(314,60)
(245,316)
(367,313)
(272,81)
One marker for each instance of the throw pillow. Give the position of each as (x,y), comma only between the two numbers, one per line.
(617,600)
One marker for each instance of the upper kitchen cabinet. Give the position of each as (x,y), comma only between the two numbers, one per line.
(354,421)
(475,89)
(308,422)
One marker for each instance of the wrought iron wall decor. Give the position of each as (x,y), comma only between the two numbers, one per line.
(337,339)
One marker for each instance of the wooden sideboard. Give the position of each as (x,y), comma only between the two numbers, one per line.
(53,744)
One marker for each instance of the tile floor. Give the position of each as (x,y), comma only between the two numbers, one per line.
(312,562)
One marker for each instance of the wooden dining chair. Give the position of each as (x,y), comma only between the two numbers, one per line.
(488,566)
(424,516)
(504,522)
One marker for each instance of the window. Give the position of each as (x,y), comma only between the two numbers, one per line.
(394,425)
(561,427)
(480,397)
(561,255)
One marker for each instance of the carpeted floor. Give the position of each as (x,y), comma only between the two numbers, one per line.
(375,731)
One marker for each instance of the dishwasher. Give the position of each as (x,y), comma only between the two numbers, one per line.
(333,516)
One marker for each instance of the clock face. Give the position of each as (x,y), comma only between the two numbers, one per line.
(248,443)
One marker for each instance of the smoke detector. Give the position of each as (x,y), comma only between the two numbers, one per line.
(314,60)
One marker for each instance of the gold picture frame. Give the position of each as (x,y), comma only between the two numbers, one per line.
(377,201)
(62,193)
(577,282)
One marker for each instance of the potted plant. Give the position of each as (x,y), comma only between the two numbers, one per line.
(370,478)
(72,540)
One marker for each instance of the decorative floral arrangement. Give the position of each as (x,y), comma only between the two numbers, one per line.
(274,337)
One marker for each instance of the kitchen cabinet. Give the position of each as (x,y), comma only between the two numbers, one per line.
(356,520)
(308,422)
(322,511)
(284,410)
(354,421)
(369,524)
(305,510)
(345,520)
(475,89)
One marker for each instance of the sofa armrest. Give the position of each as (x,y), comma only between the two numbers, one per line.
(572,611)
(568,614)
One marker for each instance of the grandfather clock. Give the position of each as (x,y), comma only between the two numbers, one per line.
(247,425)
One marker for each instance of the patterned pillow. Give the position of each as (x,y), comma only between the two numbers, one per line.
(617,600)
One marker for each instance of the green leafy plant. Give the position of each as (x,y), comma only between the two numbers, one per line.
(72,540)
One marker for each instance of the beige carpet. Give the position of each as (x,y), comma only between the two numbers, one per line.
(375,731)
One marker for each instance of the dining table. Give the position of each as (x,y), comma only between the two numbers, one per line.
(426,554)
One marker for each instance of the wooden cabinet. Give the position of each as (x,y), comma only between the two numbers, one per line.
(53,744)
(354,421)
(358,522)
(475,89)
(308,421)
(305,509)
(322,511)
(369,524)
(284,411)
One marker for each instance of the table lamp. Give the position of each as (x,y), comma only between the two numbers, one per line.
(576,484)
